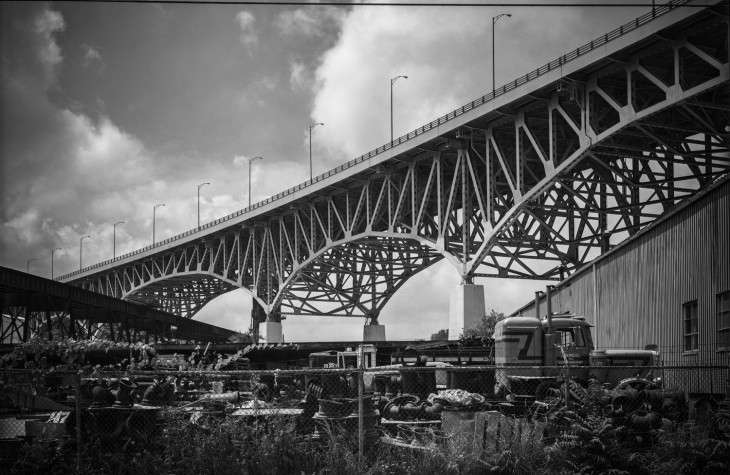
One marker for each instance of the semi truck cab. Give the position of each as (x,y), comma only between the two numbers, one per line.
(526,341)
(529,350)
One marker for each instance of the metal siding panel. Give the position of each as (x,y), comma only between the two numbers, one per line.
(641,288)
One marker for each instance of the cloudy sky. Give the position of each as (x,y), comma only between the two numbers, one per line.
(109,109)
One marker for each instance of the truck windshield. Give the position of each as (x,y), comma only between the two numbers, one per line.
(348,361)
(575,336)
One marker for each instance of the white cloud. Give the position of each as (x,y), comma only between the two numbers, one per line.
(255,92)
(446,54)
(46,25)
(91,55)
(240,161)
(269,83)
(316,22)
(66,175)
(245,22)
(299,76)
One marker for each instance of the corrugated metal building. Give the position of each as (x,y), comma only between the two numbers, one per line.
(669,285)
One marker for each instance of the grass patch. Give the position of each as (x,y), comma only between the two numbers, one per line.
(588,444)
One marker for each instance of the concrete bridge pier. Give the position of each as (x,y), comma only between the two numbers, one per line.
(372,331)
(466,308)
(271,331)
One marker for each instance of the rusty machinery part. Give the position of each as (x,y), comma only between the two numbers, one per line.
(636,383)
(502,391)
(549,391)
(595,389)
(458,399)
(413,410)
(643,420)
(671,404)
(394,409)
(262,391)
(159,393)
(719,425)
(420,360)
(123,392)
(343,407)
(577,392)
(337,407)
(101,396)
(625,401)
(314,385)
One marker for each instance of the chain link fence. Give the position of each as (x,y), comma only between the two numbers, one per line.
(338,420)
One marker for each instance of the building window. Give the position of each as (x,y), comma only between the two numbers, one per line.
(723,321)
(689,310)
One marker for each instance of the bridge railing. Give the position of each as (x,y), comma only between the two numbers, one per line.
(532,75)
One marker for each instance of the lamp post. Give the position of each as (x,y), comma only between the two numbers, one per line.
(494,21)
(199,187)
(154,210)
(81,249)
(28,266)
(310,148)
(52,251)
(250,161)
(392,81)
(114,251)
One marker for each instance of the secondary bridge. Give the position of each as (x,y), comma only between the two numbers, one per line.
(532,182)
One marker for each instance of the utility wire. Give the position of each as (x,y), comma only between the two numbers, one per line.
(366,3)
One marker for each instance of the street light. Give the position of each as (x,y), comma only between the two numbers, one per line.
(310,148)
(81,249)
(52,251)
(392,81)
(199,187)
(494,20)
(28,267)
(250,161)
(154,210)
(114,251)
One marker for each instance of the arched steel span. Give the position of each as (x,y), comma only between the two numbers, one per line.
(532,184)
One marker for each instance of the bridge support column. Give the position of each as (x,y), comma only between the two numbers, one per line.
(372,331)
(271,332)
(466,308)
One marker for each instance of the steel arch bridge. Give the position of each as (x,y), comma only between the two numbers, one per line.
(531,182)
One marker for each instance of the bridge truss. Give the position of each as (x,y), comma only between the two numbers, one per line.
(32,307)
(533,185)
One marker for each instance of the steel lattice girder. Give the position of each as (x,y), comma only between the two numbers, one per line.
(533,189)
(33,306)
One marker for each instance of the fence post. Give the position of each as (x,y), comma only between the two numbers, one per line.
(360,409)
(567,384)
(78,421)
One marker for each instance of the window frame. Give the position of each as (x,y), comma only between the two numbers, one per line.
(690,312)
(723,344)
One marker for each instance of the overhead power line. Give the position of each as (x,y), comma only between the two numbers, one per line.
(361,3)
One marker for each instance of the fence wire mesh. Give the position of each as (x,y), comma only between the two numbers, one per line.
(300,421)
